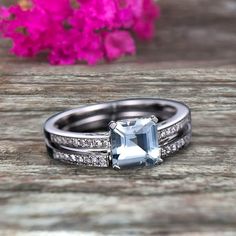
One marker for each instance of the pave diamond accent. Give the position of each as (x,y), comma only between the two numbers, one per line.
(99,160)
(86,143)
(164,133)
(134,142)
(175,146)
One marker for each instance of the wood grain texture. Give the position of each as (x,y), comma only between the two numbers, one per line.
(192,59)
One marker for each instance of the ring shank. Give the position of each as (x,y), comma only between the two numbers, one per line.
(95,118)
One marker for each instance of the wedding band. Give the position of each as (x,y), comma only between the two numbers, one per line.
(122,134)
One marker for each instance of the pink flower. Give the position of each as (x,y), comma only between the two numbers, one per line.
(144,26)
(78,30)
(118,44)
(90,48)
(58,9)
(63,51)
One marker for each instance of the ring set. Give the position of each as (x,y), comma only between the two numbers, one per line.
(122,134)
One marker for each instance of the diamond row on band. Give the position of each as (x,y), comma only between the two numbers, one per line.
(164,133)
(103,143)
(102,159)
(95,160)
(93,143)
(175,146)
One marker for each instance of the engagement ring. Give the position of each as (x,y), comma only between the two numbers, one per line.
(122,134)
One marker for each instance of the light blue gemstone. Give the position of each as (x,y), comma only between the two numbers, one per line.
(134,143)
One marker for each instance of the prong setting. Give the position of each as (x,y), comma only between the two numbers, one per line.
(116,167)
(112,125)
(154,119)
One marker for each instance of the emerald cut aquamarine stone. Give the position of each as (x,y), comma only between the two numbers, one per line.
(134,143)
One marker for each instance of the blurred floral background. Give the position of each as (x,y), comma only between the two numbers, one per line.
(77,30)
(187,30)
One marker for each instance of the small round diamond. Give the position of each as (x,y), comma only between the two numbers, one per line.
(173,147)
(75,142)
(102,162)
(63,140)
(80,159)
(179,145)
(98,143)
(73,157)
(56,155)
(173,129)
(88,160)
(163,152)
(85,143)
(95,161)
(66,157)
(106,143)
(69,141)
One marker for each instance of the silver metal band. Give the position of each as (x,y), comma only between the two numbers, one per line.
(81,135)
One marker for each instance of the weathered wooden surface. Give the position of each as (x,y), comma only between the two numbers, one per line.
(192,59)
